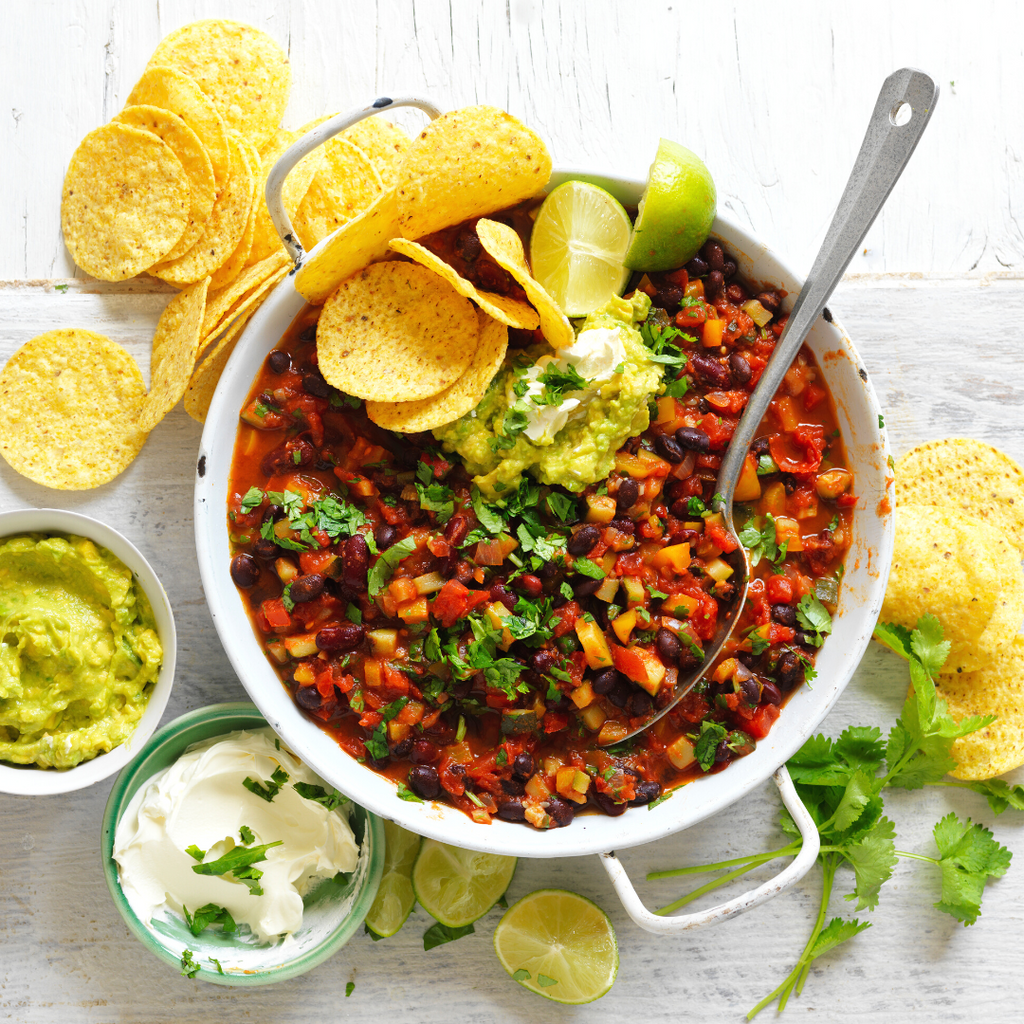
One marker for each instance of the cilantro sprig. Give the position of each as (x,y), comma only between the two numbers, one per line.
(841,783)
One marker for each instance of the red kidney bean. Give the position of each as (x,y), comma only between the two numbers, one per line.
(741,372)
(385,535)
(714,285)
(736,294)
(512,810)
(729,269)
(523,766)
(424,752)
(714,254)
(279,360)
(293,454)
(530,585)
(583,540)
(667,645)
(667,448)
(645,793)
(693,439)
(306,588)
(423,781)
(343,637)
(245,570)
(627,494)
(357,560)
(770,694)
(561,812)
(710,370)
(314,384)
(624,525)
(456,530)
(770,300)
(499,592)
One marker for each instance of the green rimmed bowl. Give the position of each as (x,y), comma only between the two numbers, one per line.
(333,911)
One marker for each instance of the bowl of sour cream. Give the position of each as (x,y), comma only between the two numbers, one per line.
(230,859)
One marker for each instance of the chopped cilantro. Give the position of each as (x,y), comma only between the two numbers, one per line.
(189,967)
(247,836)
(350,987)
(437,498)
(209,915)
(387,562)
(239,862)
(404,793)
(438,934)
(270,788)
(319,795)
(815,619)
(588,568)
(252,498)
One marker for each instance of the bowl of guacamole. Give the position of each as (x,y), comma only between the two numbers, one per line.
(87,651)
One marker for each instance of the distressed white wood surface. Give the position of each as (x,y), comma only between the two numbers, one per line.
(776,101)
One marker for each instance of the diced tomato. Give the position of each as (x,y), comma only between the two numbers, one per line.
(779,589)
(813,395)
(756,595)
(779,634)
(720,537)
(732,402)
(555,721)
(762,721)
(454,600)
(718,428)
(705,621)
(799,452)
(846,500)
(274,611)
(567,616)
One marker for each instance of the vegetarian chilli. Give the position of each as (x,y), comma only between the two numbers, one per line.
(491,644)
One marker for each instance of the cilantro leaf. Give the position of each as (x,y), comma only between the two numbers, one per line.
(999,794)
(836,932)
(209,915)
(968,857)
(588,568)
(814,617)
(872,858)
(404,793)
(561,505)
(387,562)
(247,836)
(711,734)
(896,638)
(236,860)
(438,934)
(489,517)
(319,795)
(927,644)
(438,499)
(189,967)
(761,543)
(268,789)
(252,498)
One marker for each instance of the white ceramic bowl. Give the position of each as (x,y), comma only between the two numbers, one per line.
(29,780)
(863,588)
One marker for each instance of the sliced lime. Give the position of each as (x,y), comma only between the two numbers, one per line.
(579,239)
(395,897)
(558,944)
(458,886)
(676,211)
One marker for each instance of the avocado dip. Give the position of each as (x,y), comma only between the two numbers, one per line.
(562,415)
(79,652)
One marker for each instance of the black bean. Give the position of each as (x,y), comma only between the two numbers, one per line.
(265,549)
(784,614)
(789,673)
(308,698)
(279,360)
(736,293)
(585,587)
(512,787)
(344,637)
(624,525)
(627,494)
(292,454)
(583,540)
(561,812)
(385,535)
(357,560)
(668,295)
(714,285)
(710,370)
(467,243)
(714,254)
(606,804)
(605,681)
(741,372)
(696,267)
(640,704)
(729,269)
(423,781)
(378,762)
(401,748)
(770,694)
(423,752)
(543,661)
(512,810)
(667,448)
(667,645)
(723,753)
(272,513)
(245,570)
(314,384)
(750,690)
(770,300)
(645,793)
(308,333)
(693,439)
(760,445)
(523,765)
(620,693)
(306,588)
(561,703)
(804,639)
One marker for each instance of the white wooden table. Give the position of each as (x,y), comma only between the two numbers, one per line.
(775,98)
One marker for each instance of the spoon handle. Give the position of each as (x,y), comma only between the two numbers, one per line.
(888,144)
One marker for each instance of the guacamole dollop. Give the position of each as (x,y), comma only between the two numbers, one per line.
(494,438)
(79,651)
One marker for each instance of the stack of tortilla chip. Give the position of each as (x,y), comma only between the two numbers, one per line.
(959,545)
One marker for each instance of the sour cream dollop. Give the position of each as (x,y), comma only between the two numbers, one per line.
(201,801)
(595,355)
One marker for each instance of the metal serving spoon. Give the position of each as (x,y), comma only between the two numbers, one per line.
(901,114)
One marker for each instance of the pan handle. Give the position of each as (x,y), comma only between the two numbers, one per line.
(796,870)
(301,147)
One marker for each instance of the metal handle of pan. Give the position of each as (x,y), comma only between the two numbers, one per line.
(304,146)
(793,872)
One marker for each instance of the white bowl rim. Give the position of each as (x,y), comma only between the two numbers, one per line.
(30,780)
(588,833)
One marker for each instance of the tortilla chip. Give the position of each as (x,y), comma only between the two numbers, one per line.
(456,400)
(505,247)
(384,143)
(194,159)
(175,346)
(266,240)
(962,571)
(362,241)
(395,332)
(69,409)
(468,163)
(962,473)
(222,304)
(203,384)
(236,262)
(125,203)
(224,229)
(171,90)
(509,311)
(997,689)
(241,69)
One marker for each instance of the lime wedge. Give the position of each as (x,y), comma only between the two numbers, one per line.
(458,886)
(579,239)
(676,211)
(558,944)
(395,897)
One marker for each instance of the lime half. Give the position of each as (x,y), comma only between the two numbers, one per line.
(458,886)
(576,249)
(560,945)
(395,897)
(676,211)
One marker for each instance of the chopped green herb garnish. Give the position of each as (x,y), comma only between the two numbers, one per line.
(270,788)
